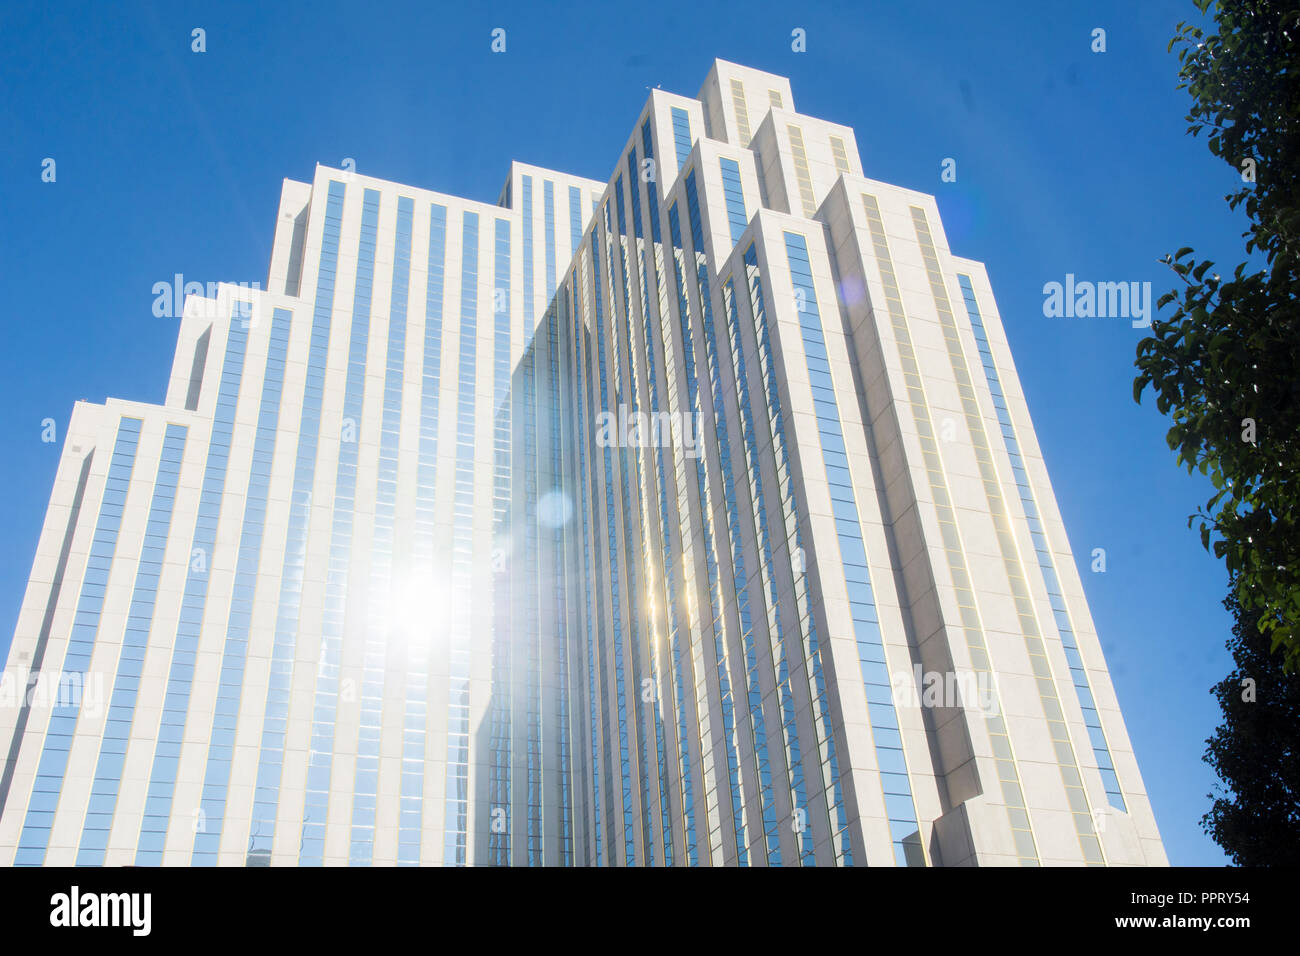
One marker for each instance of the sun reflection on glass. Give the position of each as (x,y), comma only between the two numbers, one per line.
(420,606)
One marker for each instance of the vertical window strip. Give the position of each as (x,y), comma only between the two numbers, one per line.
(499,831)
(575,221)
(212,806)
(740,578)
(742,113)
(681,135)
(500,781)
(559,553)
(275,723)
(822,720)
(684,672)
(456,823)
(420,636)
(596,682)
(652,186)
(130,665)
(579,774)
(726,706)
(895,783)
(634,601)
(180,677)
(320,758)
(673,637)
(972,625)
(629,851)
(580,401)
(634,201)
(1043,677)
(840,155)
(645,583)
(35,835)
(801,173)
(775,631)
(735,198)
(379,625)
(661,595)
(528,291)
(548,213)
(528,610)
(638,231)
(590,285)
(774,98)
(622,252)
(1050,580)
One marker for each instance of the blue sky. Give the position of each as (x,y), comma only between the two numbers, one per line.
(1068,161)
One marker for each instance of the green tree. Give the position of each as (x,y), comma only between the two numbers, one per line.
(1256,753)
(1224,365)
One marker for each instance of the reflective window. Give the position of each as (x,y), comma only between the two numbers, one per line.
(130,665)
(320,755)
(171,731)
(739,573)
(456,821)
(1078,674)
(595,687)
(780,654)
(896,787)
(266,795)
(499,791)
(548,213)
(378,623)
(35,835)
(671,597)
(822,722)
(681,135)
(425,542)
(735,198)
(614,577)
(575,219)
(726,705)
(212,806)
(649,719)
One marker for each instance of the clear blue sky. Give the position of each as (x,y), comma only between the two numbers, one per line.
(1068,161)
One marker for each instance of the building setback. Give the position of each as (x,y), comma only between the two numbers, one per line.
(691,518)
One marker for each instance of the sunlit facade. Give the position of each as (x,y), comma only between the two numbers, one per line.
(690,518)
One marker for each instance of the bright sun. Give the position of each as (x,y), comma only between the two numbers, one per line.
(419,607)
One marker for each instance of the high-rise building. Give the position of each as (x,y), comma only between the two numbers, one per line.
(694,517)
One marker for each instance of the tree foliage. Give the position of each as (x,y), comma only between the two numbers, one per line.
(1256,753)
(1223,366)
